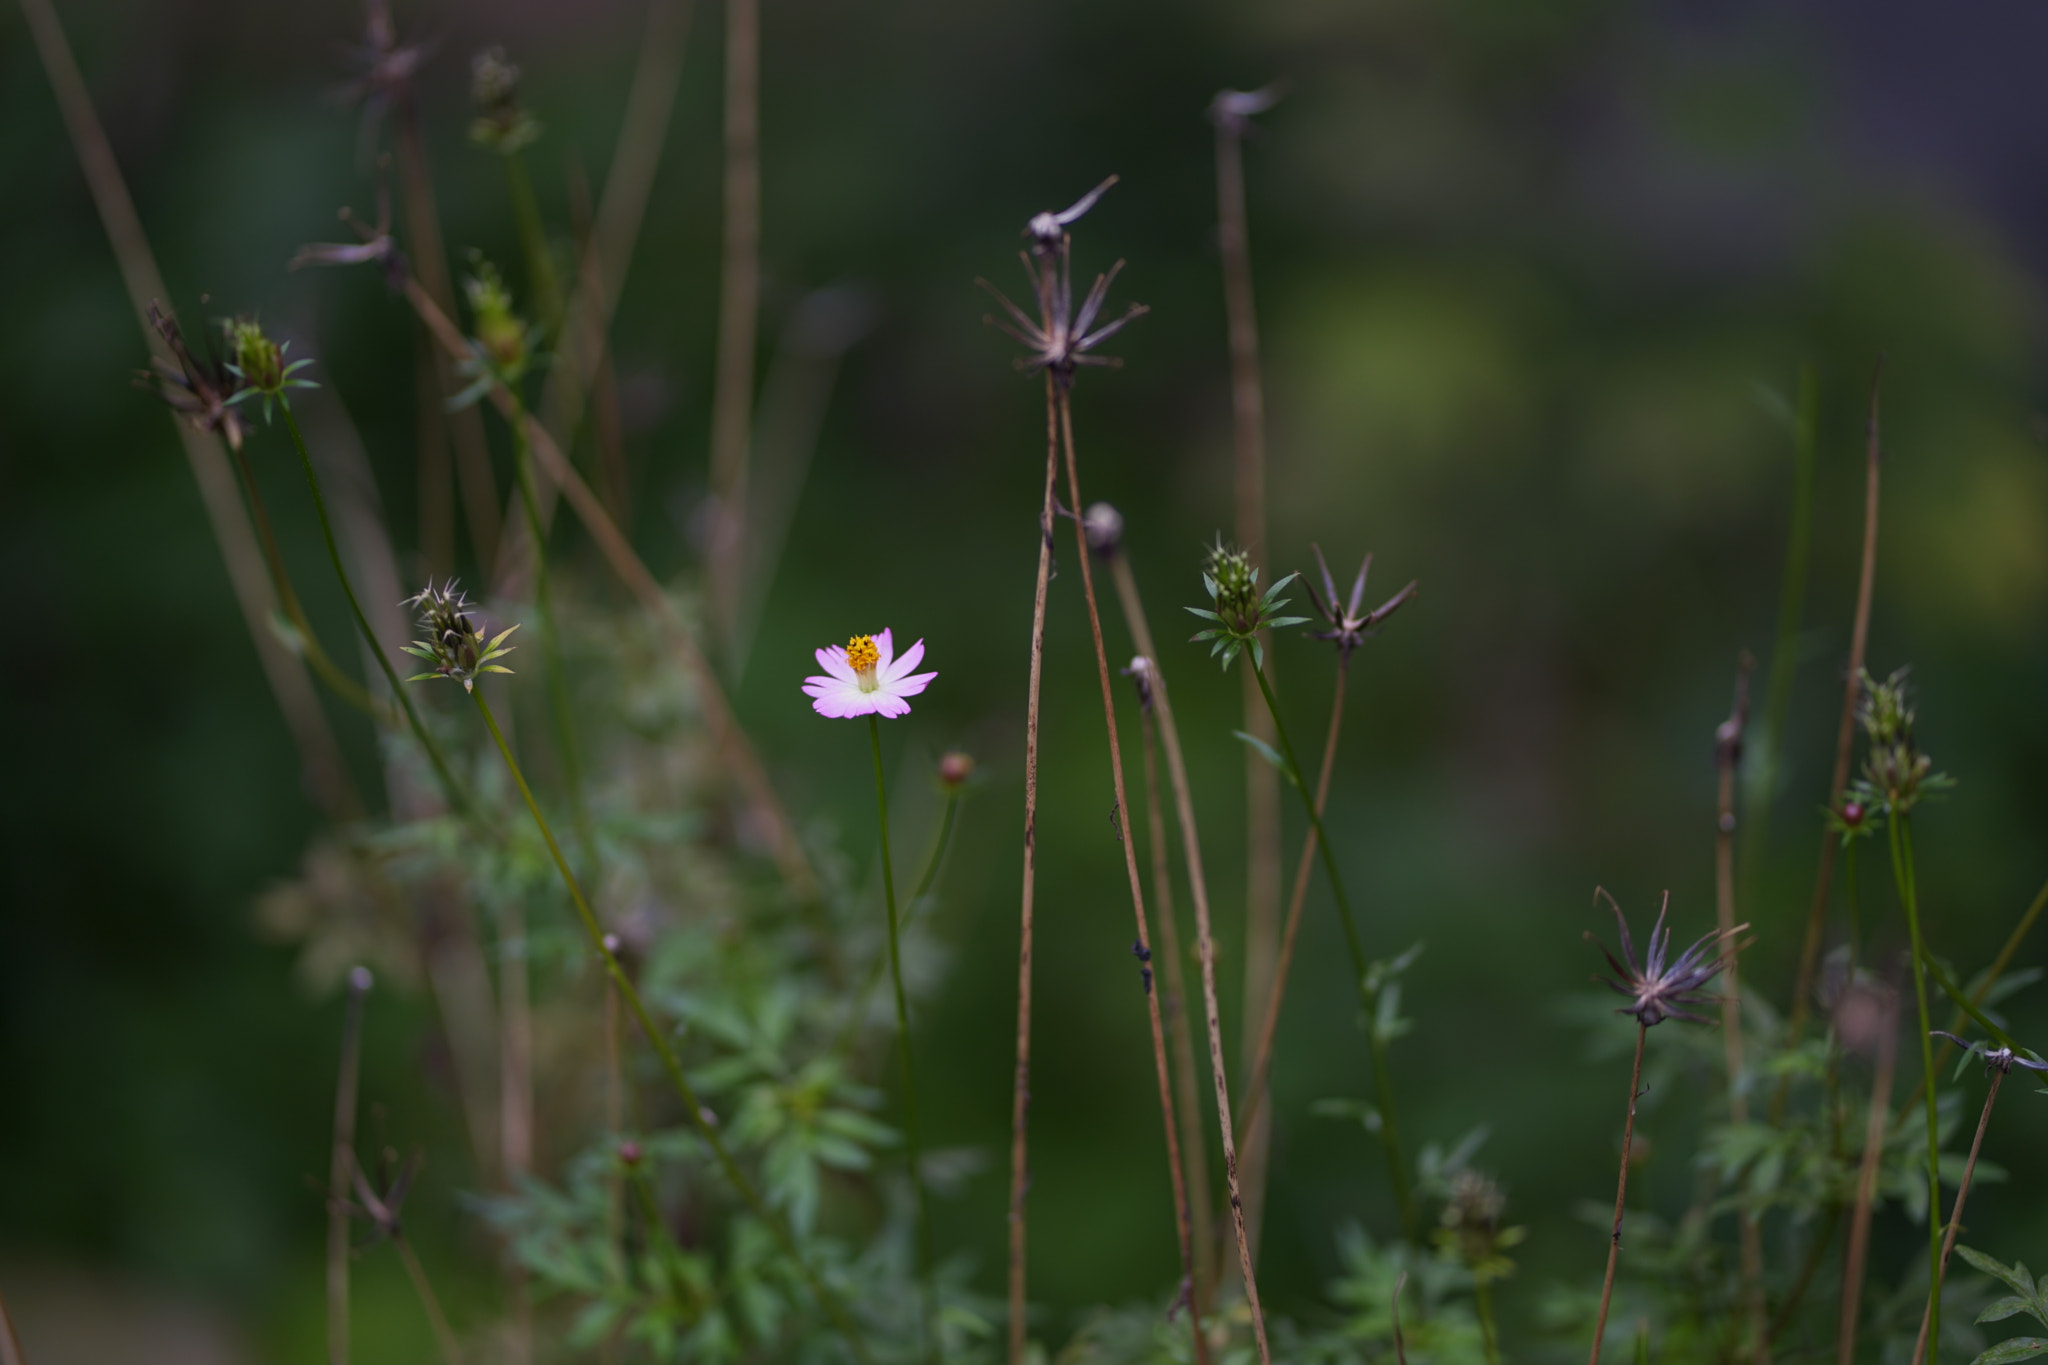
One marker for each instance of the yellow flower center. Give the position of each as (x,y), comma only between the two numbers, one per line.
(861,657)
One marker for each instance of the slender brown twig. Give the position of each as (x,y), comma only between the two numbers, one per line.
(1262,1056)
(1955,1216)
(1230,112)
(10,1345)
(1866,1184)
(341,1166)
(1174,993)
(1845,732)
(1728,737)
(739,303)
(320,760)
(1628,1133)
(1020,1095)
(1143,946)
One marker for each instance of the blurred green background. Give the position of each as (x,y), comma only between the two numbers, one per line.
(1527,275)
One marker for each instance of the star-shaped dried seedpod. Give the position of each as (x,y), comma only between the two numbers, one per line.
(1060,339)
(377,245)
(1348,629)
(1232,110)
(2000,1058)
(1658,989)
(203,392)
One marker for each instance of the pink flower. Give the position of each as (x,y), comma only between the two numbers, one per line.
(866,678)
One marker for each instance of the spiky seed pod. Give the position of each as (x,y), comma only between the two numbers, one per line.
(1660,988)
(1236,606)
(454,644)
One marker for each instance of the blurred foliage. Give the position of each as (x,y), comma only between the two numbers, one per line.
(1521,272)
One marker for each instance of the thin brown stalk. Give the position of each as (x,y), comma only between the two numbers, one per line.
(341,1166)
(1628,1134)
(1174,991)
(326,776)
(1137,887)
(1845,732)
(1727,756)
(739,304)
(1262,1057)
(1262,782)
(428,255)
(1955,1216)
(444,1335)
(606,430)
(515,1047)
(1020,1096)
(739,755)
(10,1345)
(1866,1185)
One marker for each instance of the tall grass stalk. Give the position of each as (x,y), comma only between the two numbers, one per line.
(341,1165)
(1899,832)
(1760,780)
(1857,1256)
(320,759)
(1955,1216)
(1845,733)
(1262,784)
(1156,717)
(1020,1090)
(457,794)
(694,1112)
(739,306)
(1383,1082)
(1628,1133)
(1262,1056)
(1728,738)
(1143,946)
(913,1145)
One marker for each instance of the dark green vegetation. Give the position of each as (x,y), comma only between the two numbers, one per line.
(1535,290)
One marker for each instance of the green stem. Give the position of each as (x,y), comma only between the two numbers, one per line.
(699,1117)
(924,1226)
(1390,1130)
(1902,871)
(458,795)
(858,1011)
(1482,1303)
(533,239)
(1855,905)
(551,641)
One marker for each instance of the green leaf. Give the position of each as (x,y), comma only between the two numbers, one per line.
(1963,1003)
(2015,1275)
(1267,752)
(2016,1348)
(2004,1308)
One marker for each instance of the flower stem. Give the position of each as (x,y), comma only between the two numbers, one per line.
(698,1117)
(1143,946)
(857,1012)
(1262,1059)
(533,240)
(1955,1216)
(1899,828)
(1991,976)
(1020,1094)
(1383,1085)
(458,795)
(444,1335)
(913,1147)
(1489,1334)
(1628,1134)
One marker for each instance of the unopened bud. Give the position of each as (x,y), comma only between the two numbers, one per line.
(360,980)
(1104,527)
(955,767)
(1852,813)
(629,1153)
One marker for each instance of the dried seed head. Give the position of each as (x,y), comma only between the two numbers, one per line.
(1659,988)
(203,392)
(501,124)
(1348,627)
(1047,230)
(1141,675)
(1060,339)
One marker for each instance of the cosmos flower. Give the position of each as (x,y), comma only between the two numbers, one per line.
(1660,989)
(866,678)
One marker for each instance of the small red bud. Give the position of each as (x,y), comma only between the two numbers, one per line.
(629,1152)
(955,768)
(1852,813)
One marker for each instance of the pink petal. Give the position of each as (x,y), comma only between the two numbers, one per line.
(832,658)
(841,705)
(912,685)
(885,646)
(911,658)
(889,707)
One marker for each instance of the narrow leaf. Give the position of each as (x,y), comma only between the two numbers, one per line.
(2016,1348)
